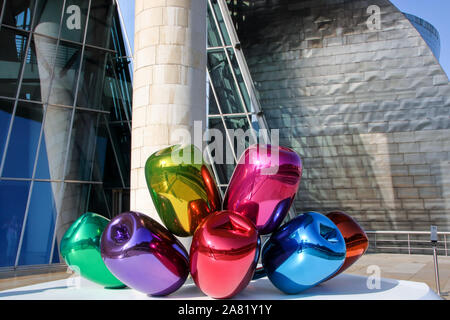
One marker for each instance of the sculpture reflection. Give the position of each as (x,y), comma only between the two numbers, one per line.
(144,255)
(183,193)
(263,185)
(356,240)
(80,247)
(303,253)
(224,254)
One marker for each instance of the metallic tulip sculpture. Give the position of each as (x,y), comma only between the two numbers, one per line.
(144,255)
(356,240)
(263,185)
(183,193)
(304,252)
(80,248)
(224,253)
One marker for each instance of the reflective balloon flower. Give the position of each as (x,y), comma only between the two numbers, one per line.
(263,185)
(356,240)
(182,188)
(80,248)
(144,255)
(224,254)
(303,253)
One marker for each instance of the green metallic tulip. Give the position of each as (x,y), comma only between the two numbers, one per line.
(80,247)
(182,188)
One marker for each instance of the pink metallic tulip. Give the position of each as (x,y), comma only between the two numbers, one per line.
(264,184)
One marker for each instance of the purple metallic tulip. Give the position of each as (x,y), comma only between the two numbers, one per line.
(263,185)
(144,255)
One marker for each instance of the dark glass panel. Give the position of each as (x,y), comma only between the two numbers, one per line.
(38,68)
(90,90)
(6,109)
(212,103)
(74,20)
(240,79)
(99,201)
(55,258)
(213,33)
(221,23)
(12,54)
(38,236)
(13,201)
(85,136)
(2,2)
(74,200)
(52,153)
(239,133)
(66,72)
(224,85)
(48,17)
(220,150)
(100,21)
(21,152)
(19,13)
(117,89)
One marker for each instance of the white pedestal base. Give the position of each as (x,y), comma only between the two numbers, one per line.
(343,287)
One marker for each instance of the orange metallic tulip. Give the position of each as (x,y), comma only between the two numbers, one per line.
(356,239)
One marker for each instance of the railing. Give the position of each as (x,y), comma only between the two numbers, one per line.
(412,242)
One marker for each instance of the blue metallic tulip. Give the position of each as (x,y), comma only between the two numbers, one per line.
(303,253)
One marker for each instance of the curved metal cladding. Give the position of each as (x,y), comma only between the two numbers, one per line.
(357,92)
(429,33)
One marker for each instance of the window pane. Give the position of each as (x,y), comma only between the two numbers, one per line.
(105,166)
(212,105)
(99,200)
(38,69)
(117,89)
(240,80)
(13,201)
(221,23)
(52,153)
(223,82)
(74,21)
(1,6)
(213,33)
(82,146)
(66,74)
(55,258)
(38,236)
(6,109)
(48,18)
(73,204)
(90,91)
(21,152)
(19,13)
(100,21)
(220,151)
(241,139)
(11,56)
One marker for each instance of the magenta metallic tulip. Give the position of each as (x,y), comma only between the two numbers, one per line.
(144,255)
(263,185)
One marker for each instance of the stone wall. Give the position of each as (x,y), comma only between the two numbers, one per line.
(366,108)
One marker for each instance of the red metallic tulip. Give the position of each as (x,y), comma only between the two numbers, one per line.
(356,239)
(224,254)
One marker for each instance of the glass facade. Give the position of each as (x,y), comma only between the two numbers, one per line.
(232,101)
(65,122)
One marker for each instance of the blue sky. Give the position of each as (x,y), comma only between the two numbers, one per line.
(437,13)
(434,11)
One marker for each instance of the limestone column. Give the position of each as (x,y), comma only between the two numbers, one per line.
(169,89)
